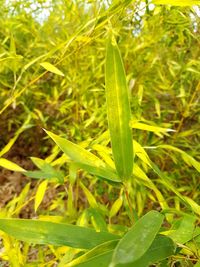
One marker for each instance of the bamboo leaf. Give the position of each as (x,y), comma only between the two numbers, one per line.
(40,194)
(7,164)
(116,207)
(183,229)
(150,128)
(58,234)
(161,248)
(11,142)
(91,199)
(84,159)
(138,239)
(75,152)
(118,110)
(104,252)
(104,173)
(48,66)
(177,2)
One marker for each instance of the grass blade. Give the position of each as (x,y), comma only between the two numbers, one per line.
(118,110)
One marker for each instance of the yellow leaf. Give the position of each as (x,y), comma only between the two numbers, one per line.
(7,164)
(116,207)
(40,194)
(48,66)
(177,2)
(90,197)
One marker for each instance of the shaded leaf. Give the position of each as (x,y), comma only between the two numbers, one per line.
(98,256)
(138,239)
(161,248)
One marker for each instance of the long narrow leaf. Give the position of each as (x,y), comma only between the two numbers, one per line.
(177,2)
(96,255)
(85,159)
(42,232)
(118,109)
(75,152)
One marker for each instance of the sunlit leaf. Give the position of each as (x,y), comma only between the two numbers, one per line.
(43,232)
(84,159)
(118,110)
(150,128)
(7,164)
(40,194)
(177,2)
(48,66)
(116,206)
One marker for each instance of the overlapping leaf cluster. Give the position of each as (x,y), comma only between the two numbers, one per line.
(116,85)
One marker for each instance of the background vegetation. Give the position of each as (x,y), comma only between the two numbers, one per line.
(52,76)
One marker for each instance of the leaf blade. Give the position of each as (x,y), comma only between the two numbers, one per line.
(138,239)
(44,232)
(40,194)
(177,2)
(7,164)
(118,110)
(48,66)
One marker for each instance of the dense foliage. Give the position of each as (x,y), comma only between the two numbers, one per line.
(100,115)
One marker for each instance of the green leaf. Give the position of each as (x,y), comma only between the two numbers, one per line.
(118,110)
(7,164)
(97,219)
(138,239)
(102,260)
(46,175)
(47,171)
(98,256)
(161,248)
(183,229)
(48,66)
(75,152)
(90,198)
(105,173)
(84,159)
(59,234)
(177,2)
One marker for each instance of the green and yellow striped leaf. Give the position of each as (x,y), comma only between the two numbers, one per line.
(118,110)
